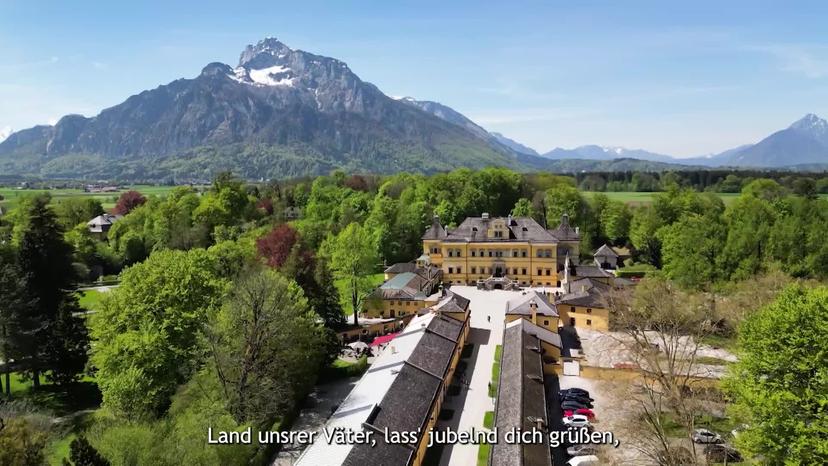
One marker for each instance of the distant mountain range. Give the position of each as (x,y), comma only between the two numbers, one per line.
(284,113)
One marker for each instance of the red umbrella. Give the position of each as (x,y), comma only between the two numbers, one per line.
(384,339)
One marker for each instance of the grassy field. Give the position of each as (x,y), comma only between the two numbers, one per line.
(89,299)
(635,198)
(12,195)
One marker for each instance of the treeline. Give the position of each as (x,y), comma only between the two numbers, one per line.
(717,181)
(227,302)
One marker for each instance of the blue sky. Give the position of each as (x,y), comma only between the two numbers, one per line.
(679,79)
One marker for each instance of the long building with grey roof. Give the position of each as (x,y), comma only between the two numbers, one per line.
(521,394)
(402,391)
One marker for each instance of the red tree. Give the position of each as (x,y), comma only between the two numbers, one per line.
(128,201)
(275,246)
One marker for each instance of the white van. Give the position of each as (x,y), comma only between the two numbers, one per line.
(586,460)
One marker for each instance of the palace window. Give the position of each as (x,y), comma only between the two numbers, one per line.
(540,272)
(459,270)
(547,253)
(514,253)
(490,253)
(523,271)
(548,272)
(589,322)
(572,309)
(459,253)
(539,253)
(473,252)
(474,270)
(523,253)
(546,322)
(451,252)
(451,270)
(589,311)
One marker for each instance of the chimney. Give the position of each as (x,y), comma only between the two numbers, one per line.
(534,307)
(485,215)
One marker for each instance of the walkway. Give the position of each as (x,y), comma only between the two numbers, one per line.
(486,335)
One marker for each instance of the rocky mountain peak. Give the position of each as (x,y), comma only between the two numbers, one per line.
(810,122)
(813,127)
(266,52)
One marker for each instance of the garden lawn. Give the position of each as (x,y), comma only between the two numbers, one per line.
(495,371)
(90,299)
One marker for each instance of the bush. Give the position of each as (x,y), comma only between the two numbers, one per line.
(21,442)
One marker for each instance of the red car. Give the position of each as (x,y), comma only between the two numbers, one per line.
(583,411)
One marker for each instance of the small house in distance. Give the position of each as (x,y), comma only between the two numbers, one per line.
(606,257)
(101,224)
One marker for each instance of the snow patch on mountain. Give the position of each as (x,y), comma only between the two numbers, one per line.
(5,132)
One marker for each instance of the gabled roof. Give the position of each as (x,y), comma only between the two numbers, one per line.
(104,219)
(585,292)
(523,305)
(521,398)
(564,231)
(522,229)
(401,267)
(396,393)
(536,331)
(451,302)
(590,271)
(435,231)
(416,285)
(605,251)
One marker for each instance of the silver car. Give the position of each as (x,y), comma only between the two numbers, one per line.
(706,436)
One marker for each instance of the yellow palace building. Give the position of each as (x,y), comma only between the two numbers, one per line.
(500,252)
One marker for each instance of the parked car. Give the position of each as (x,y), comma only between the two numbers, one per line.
(577,391)
(581,398)
(706,436)
(720,452)
(570,404)
(586,412)
(583,449)
(576,420)
(574,405)
(587,460)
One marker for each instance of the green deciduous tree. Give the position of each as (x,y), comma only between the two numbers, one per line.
(615,221)
(750,222)
(779,386)
(353,256)
(644,227)
(73,211)
(267,346)
(691,248)
(147,331)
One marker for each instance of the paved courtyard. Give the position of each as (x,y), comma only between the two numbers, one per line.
(488,311)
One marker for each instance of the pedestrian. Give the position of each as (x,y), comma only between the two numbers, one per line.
(488,318)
